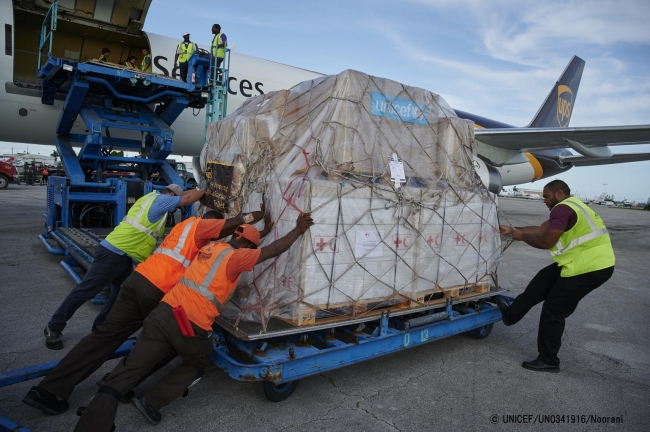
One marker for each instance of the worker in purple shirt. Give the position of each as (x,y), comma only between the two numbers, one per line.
(584,259)
(133,239)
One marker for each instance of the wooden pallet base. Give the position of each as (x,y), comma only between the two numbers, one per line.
(305,314)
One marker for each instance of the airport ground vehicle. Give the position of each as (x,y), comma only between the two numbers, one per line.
(183,172)
(8,174)
(114,102)
(99,181)
(186,175)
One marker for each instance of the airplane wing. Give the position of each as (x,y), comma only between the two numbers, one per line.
(581,161)
(581,139)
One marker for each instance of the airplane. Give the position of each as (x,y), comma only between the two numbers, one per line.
(504,154)
(597,199)
(602,200)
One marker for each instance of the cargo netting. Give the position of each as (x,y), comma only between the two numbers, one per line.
(402,220)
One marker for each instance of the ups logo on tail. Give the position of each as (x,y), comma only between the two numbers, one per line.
(564,105)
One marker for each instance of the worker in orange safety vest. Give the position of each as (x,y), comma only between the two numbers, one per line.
(203,291)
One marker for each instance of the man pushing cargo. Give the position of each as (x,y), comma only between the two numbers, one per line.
(133,239)
(140,294)
(584,260)
(202,293)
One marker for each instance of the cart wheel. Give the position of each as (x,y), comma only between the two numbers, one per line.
(276,392)
(481,332)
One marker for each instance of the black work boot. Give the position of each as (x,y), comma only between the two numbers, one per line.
(45,401)
(538,365)
(53,339)
(503,305)
(142,404)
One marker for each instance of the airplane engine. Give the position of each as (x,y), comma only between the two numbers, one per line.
(489,175)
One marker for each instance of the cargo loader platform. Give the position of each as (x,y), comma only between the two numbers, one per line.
(121,110)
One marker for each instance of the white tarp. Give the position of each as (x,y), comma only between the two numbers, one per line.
(386,171)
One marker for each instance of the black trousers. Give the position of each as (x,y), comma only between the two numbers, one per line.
(159,337)
(561,296)
(137,298)
(183,70)
(108,267)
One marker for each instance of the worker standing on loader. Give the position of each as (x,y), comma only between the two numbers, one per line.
(140,294)
(584,260)
(145,66)
(219,44)
(133,239)
(203,291)
(184,51)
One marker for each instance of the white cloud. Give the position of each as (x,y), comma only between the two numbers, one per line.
(531,32)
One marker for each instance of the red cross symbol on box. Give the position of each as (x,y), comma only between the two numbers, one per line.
(460,239)
(402,242)
(287,281)
(433,240)
(325,245)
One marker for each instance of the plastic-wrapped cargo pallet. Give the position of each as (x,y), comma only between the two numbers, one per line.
(324,147)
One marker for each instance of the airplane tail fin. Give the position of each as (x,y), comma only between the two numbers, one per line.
(558,106)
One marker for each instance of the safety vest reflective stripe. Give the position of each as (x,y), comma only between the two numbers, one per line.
(144,66)
(185,51)
(175,253)
(202,288)
(135,224)
(578,241)
(216,51)
(595,233)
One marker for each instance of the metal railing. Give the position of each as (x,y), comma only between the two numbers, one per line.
(47,32)
(217,102)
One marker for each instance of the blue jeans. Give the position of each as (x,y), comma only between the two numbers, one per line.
(108,267)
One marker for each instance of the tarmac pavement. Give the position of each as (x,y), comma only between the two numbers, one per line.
(457,383)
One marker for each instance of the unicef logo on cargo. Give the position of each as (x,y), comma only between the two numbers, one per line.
(398,109)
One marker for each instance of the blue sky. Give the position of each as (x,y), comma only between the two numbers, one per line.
(497,59)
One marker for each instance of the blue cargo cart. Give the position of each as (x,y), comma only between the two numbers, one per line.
(279,358)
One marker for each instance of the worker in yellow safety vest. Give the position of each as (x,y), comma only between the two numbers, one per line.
(133,239)
(219,44)
(130,63)
(104,57)
(584,260)
(146,60)
(184,51)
